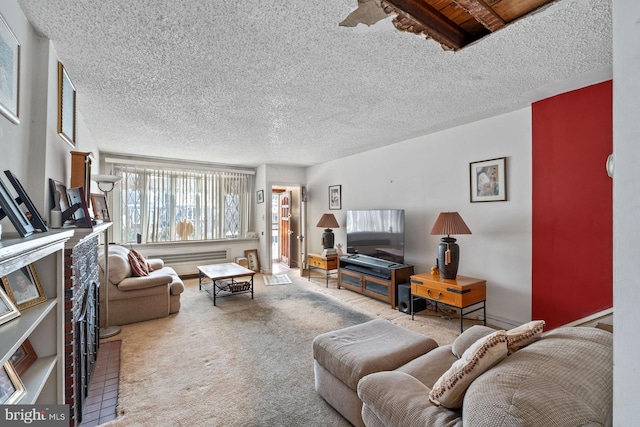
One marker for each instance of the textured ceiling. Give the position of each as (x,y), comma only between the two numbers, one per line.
(254,82)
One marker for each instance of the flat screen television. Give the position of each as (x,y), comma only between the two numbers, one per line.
(378,233)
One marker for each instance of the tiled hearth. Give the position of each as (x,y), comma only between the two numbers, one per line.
(100,406)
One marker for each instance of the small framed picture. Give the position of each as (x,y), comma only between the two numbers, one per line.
(252,258)
(260,196)
(11,387)
(488,180)
(23,358)
(81,216)
(8,310)
(100,210)
(34,216)
(24,287)
(335,197)
(10,207)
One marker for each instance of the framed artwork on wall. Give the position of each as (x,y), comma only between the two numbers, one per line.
(23,287)
(260,196)
(9,73)
(335,197)
(252,258)
(66,106)
(488,180)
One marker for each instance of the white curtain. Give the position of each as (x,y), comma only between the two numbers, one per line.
(156,203)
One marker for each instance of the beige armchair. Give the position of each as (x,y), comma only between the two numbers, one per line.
(137,298)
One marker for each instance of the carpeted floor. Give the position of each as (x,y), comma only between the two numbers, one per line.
(244,362)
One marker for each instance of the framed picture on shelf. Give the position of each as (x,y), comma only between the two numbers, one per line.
(10,72)
(24,357)
(335,197)
(81,216)
(24,287)
(8,310)
(61,189)
(100,210)
(13,211)
(252,258)
(36,219)
(488,180)
(11,387)
(260,196)
(66,106)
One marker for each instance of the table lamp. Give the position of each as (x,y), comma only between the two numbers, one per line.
(328,221)
(448,250)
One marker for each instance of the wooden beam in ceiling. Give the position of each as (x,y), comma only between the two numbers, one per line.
(430,21)
(482,13)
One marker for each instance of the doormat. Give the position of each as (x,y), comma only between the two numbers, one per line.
(277,279)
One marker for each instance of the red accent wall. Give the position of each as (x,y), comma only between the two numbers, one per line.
(572,273)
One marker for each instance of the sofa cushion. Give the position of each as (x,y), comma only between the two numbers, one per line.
(450,388)
(524,335)
(429,367)
(138,263)
(469,337)
(119,266)
(563,379)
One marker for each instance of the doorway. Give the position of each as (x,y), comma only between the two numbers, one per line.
(286,236)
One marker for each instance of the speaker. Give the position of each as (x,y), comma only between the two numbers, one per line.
(404,300)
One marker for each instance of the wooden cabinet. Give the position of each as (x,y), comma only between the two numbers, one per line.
(42,324)
(373,277)
(461,292)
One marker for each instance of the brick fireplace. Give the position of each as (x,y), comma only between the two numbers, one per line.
(81,314)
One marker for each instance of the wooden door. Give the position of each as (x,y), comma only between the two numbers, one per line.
(285,228)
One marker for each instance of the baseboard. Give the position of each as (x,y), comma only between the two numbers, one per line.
(605,316)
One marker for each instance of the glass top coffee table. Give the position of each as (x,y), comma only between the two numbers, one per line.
(219,280)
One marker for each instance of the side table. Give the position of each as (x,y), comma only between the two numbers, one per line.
(461,292)
(328,263)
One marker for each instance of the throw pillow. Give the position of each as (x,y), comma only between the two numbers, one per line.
(450,388)
(524,335)
(138,263)
(468,337)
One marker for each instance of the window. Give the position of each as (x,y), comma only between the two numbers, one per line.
(164,205)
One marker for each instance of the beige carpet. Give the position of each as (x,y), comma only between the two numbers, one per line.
(244,362)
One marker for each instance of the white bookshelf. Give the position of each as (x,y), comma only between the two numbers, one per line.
(42,324)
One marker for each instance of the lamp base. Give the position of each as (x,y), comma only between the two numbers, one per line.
(328,239)
(109,331)
(448,257)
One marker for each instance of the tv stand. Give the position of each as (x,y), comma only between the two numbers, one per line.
(374,277)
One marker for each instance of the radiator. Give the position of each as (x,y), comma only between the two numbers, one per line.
(187,262)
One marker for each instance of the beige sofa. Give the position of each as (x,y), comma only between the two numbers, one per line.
(565,378)
(133,298)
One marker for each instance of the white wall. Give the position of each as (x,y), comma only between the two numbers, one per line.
(626,205)
(32,150)
(430,174)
